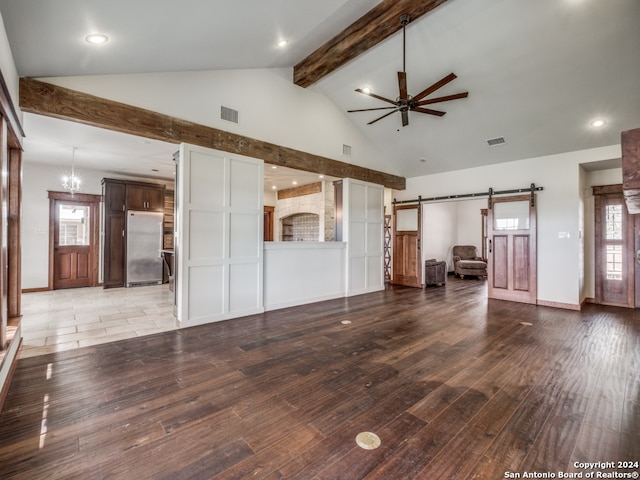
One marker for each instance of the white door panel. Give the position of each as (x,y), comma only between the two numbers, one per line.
(364,232)
(218,243)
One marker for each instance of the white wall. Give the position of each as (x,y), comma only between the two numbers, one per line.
(296,273)
(558,206)
(275,111)
(37,180)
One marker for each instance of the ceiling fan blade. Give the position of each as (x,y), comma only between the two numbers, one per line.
(428,110)
(446,98)
(359,90)
(369,109)
(405,117)
(385,115)
(439,84)
(402,84)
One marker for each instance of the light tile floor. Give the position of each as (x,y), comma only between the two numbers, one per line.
(59,320)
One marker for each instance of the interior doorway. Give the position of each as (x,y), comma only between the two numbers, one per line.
(73,240)
(407,234)
(269,213)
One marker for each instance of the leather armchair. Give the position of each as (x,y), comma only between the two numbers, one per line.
(467,262)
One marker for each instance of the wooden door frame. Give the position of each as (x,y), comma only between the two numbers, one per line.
(598,193)
(532,297)
(94,202)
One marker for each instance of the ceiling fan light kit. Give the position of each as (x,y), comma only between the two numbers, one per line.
(406,103)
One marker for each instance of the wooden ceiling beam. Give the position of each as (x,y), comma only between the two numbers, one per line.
(375,26)
(66,104)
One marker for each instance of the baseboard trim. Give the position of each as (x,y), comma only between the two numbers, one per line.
(566,306)
(33,290)
(303,301)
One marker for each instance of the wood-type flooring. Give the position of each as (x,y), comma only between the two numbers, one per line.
(455,386)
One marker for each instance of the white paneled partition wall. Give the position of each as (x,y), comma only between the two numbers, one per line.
(219,254)
(364,234)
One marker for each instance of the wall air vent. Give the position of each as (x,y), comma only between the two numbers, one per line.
(346,149)
(228,114)
(494,142)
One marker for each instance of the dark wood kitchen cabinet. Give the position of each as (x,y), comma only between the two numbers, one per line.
(147,197)
(114,198)
(119,196)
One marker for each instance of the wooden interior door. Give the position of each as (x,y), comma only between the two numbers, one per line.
(614,248)
(512,258)
(73,260)
(407,257)
(269,213)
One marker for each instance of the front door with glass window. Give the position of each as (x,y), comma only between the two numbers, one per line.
(614,275)
(73,241)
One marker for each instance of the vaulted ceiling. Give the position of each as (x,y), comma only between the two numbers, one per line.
(538,72)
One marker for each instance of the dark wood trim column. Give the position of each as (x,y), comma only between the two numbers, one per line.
(4,162)
(10,259)
(15,249)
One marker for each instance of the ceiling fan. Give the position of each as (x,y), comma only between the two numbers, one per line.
(406,103)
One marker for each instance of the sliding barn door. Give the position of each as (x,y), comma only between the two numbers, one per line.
(407,259)
(219,249)
(512,265)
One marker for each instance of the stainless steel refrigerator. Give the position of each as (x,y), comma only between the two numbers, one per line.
(144,242)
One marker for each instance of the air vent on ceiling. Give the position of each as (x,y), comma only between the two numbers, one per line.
(494,142)
(228,114)
(346,149)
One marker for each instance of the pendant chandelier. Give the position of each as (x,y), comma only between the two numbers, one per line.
(71,182)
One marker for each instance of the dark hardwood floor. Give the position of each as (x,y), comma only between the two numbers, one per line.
(454,385)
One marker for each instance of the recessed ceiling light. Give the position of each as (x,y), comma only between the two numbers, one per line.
(274,167)
(274,187)
(282,43)
(97,38)
(598,123)
(366,90)
(320,176)
(294,182)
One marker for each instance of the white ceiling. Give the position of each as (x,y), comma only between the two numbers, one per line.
(537,72)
